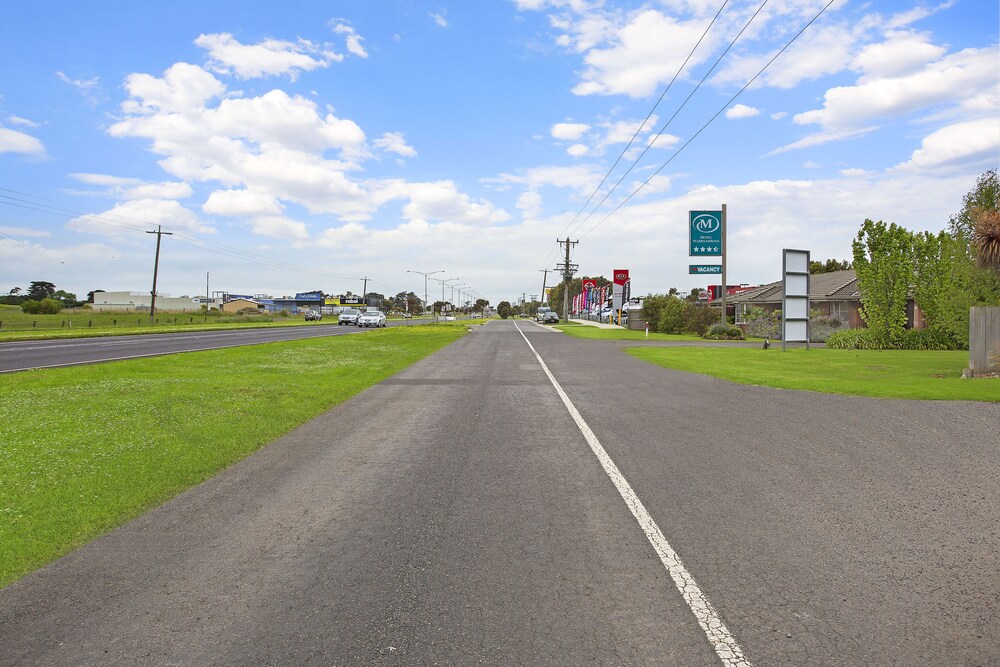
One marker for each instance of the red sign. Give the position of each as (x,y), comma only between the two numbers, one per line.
(621,276)
(589,284)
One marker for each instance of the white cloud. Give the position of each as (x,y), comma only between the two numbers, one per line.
(24,231)
(779,115)
(853,172)
(899,55)
(139,214)
(946,81)
(530,204)
(270,57)
(242,203)
(962,143)
(439,19)
(279,227)
(12,141)
(351,39)
(134,188)
(569,131)
(578,150)
(644,52)
(741,111)
(395,142)
(23,122)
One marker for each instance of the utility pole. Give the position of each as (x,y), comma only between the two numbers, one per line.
(725,287)
(567,270)
(364,292)
(545,278)
(206,289)
(156,267)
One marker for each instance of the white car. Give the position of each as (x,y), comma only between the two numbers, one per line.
(348,316)
(372,318)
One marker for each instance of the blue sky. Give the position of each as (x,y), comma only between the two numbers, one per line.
(302,145)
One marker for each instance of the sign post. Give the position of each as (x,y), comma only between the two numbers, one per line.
(707,236)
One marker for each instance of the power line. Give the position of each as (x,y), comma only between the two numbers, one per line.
(671,119)
(710,120)
(646,119)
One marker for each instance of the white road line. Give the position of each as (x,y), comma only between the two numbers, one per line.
(725,645)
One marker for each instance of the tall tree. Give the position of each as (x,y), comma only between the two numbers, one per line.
(39,289)
(884,263)
(504,309)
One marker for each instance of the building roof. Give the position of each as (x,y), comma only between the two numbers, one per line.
(832,286)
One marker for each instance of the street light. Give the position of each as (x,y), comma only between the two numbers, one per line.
(453,288)
(425,274)
(444,282)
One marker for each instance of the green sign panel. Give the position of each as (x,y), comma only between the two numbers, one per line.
(705,233)
(704,268)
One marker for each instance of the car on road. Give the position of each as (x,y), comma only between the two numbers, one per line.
(407,316)
(348,316)
(313,316)
(373,318)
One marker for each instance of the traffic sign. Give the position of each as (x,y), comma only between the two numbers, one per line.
(705,233)
(704,268)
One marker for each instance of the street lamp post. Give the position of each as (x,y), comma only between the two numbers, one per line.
(444,282)
(425,274)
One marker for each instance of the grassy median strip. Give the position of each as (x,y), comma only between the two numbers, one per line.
(909,374)
(85,448)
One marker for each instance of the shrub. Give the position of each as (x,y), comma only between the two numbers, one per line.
(43,307)
(911,339)
(761,324)
(724,332)
(697,318)
(823,326)
(283,313)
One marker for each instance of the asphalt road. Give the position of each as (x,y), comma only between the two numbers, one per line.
(27,355)
(469,521)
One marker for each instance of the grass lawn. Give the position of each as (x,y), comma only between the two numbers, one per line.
(933,375)
(85,448)
(588,331)
(16,325)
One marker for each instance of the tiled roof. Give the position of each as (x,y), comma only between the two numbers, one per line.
(833,286)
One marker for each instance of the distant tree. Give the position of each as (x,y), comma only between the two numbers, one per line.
(694,295)
(13,297)
(480,305)
(67,299)
(39,290)
(828,266)
(504,309)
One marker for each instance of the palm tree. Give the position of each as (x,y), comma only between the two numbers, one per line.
(986,236)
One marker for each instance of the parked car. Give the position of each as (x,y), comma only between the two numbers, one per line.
(407,316)
(549,317)
(348,316)
(373,318)
(313,316)
(540,313)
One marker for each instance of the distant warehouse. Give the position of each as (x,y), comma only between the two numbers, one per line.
(140,301)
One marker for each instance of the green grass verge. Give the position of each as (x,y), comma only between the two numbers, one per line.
(588,331)
(909,374)
(85,448)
